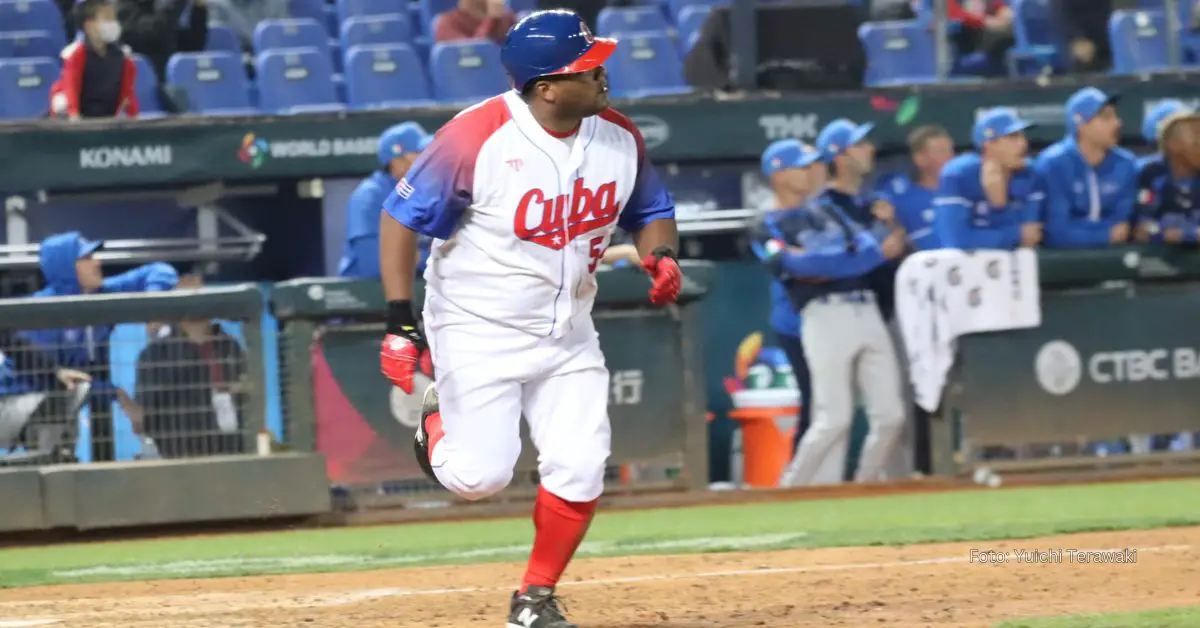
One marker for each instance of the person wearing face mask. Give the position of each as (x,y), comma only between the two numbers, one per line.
(98,75)
(991,199)
(157,29)
(399,147)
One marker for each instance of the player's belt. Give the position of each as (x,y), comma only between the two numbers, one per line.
(852,296)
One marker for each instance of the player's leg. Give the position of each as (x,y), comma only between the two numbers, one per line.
(793,348)
(567,413)
(830,346)
(878,378)
(471,423)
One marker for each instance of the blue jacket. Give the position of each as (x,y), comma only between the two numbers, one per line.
(881,280)
(1165,203)
(838,254)
(965,220)
(784,318)
(86,348)
(1083,203)
(360,254)
(914,208)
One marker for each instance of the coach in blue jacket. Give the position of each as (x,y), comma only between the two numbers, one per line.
(795,173)
(991,199)
(1090,181)
(398,148)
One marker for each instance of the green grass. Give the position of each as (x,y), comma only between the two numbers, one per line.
(1167,618)
(894,520)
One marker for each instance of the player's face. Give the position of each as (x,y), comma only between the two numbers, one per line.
(583,94)
(862,156)
(936,152)
(1183,143)
(1011,149)
(1104,129)
(798,181)
(87,271)
(399,166)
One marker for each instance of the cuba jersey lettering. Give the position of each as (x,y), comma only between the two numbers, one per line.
(520,219)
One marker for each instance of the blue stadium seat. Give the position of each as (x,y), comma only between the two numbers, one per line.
(898,52)
(222,39)
(25,87)
(376,29)
(430,9)
(146,89)
(386,77)
(295,33)
(646,64)
(332,21)
(307,9)
(677,7)
(615,20)
(32,15)
(465,71)
(215,82)
(347,9)
(691,22)
(28,44)
(1038,38)
(1139,41)
(297,80)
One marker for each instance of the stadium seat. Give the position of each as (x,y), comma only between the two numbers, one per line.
(465,71)
(33,15)
(215,82)
(307,9)
(298,80)
(295,33)
(222,39)
(386,77)
(347,9)
(28,44)
(1038,38)
(691,22)
(676,8)
(1139,41)
(898,52)
(25,87)
(646,64)
(146,89)
(430,9)
(376,29)
(615,20)
(332,22)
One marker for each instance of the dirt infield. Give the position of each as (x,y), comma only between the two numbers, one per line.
(925,585)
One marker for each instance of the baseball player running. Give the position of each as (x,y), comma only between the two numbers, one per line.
(521,194)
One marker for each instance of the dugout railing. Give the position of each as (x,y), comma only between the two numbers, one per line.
(337,403)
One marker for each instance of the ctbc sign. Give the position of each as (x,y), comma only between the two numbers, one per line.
(1059,368)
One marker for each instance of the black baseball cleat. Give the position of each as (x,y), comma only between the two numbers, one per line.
(537,607)
(429,412)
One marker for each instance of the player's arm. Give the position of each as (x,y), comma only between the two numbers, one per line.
(650,217)
(953,218)
(822,258)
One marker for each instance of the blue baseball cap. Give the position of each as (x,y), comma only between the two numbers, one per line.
(785,154)
(839,135)
(1084,104)
(995,123)
(406,137)
(1158,114)
(87,247)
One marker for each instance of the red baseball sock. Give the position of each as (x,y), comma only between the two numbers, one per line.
(559,527)
(433,430)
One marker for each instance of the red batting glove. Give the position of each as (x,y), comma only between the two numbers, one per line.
(664,274)
(399,359)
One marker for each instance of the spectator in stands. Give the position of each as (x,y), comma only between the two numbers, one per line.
(191,385)
(98,75)
(399,147)
(39,403)
(69,264)
(1169,196)
(909,199)
(1084,25)
(157,31)
(795,173)
(475,19)
(983,26)
(991,199)
(1090,181)
(242,16)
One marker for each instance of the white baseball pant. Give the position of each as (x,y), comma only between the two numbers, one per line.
(489,375)
(846,341)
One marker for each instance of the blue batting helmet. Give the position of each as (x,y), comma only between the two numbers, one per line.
(552,42)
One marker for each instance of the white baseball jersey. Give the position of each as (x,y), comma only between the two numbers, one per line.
(947,293)
(520,218)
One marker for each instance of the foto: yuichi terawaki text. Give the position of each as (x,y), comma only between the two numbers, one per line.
(1053,556)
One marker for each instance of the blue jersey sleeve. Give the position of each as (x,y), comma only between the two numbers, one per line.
(650,200)
(953,219)
(438,188)
(826,255)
